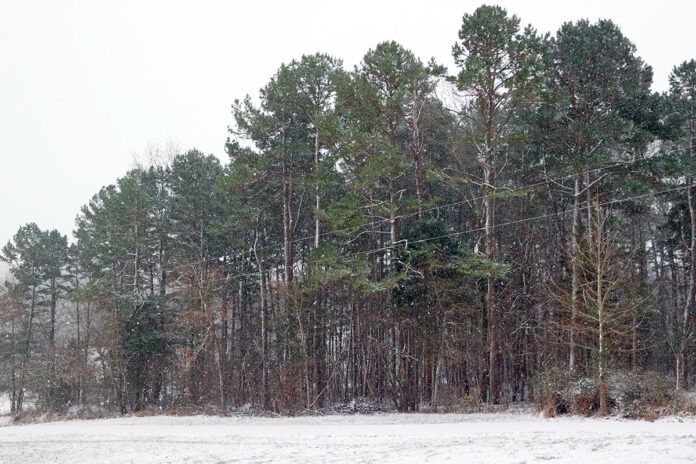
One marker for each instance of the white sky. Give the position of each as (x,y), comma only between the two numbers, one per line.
(86,84)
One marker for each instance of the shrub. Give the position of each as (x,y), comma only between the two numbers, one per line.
(560,392)
(639,394)
(632,394)
(683,402)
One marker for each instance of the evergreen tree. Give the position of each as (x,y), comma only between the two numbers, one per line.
(501,68)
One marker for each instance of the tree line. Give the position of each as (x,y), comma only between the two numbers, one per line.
(391,233)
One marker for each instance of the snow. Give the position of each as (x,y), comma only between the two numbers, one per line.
(381,438)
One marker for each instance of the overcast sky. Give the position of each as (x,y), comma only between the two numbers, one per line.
(84,85)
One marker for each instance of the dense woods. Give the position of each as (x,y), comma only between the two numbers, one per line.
(395,233)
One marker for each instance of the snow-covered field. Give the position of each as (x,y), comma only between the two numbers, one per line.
(383,438)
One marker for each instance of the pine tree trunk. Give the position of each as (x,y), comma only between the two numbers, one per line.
(601,318)
(491,306)
(574,270)
(262,310)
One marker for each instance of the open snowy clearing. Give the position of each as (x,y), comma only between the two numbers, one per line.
(383,438)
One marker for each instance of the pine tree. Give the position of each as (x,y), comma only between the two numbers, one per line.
(501,68)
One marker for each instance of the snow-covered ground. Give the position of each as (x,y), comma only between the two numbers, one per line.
(383,438)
